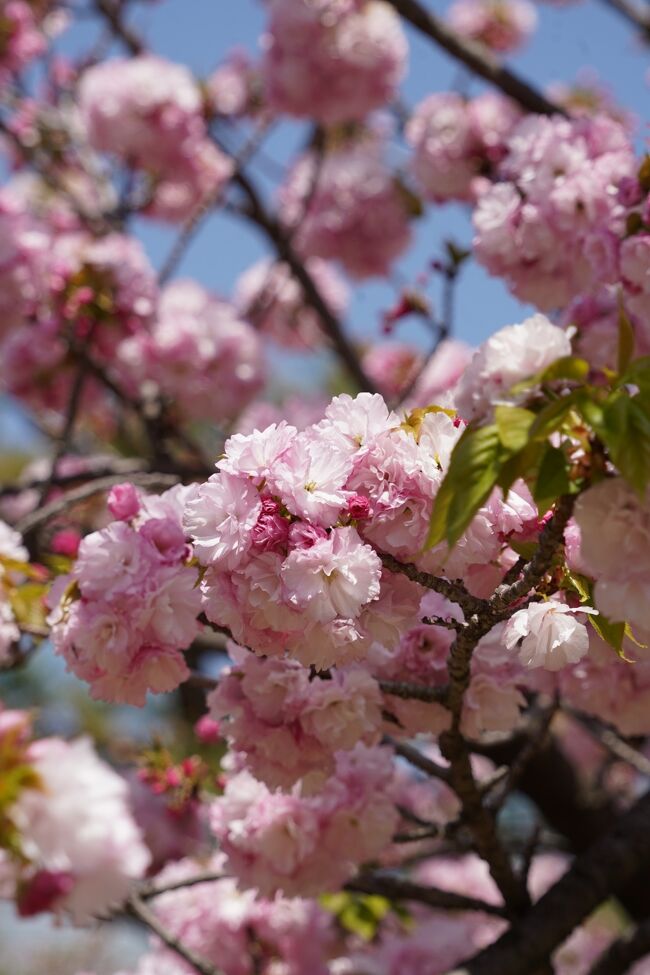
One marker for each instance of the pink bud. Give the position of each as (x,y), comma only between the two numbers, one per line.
(173,778)
(358,507)
(66,542)
(123,502)
(207,730)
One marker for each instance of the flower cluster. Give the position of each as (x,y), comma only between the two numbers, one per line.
(70,857)
(128,609)
(302,845)
(199,354)
(614,538)
(503,25)
(333,62)
(348,206)
(557,194)
(285,727)
(219,923)
(457,143)
(148,112)
(90,296)
(22,38)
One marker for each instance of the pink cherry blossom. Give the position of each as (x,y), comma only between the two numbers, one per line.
(333,62)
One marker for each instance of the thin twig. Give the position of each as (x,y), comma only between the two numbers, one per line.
(415,757)
(398,888)
(415,692)
(98,486)
(137,907)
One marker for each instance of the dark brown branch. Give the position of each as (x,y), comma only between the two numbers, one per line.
(148,891)
(454,591)
(634,14)
(397,888)
(414,692)
(477,58)
(415,757)
(111,11)
(602,871)
(550,540)
(627,950)
(137,907)
(281,242)
(205,206)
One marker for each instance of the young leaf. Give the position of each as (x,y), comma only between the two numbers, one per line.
(552,478)
(513,424)
(626,434)
(473,472)
(625,340)
(551,417)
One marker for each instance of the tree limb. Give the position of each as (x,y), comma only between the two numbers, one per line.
(603,870)
(476,57)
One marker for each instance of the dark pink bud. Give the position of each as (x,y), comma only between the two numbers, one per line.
(66,542)
(207,730)
(43,891)
(173,778)
(270,506)
(629,191)
(359,507)
(123,502)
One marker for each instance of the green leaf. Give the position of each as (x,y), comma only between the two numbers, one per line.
(28,604)
(513,424)
(625,339)
(568,367)
(473,472)
(359,913)
(551,417)
(552,478)
(637,374)
(626,434)
(523,464)
(611,633)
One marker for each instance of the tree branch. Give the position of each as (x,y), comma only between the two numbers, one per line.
(603,870)
(276,234)
(476,57)
(137,907)
(397,888)
(628,949)
(634,14)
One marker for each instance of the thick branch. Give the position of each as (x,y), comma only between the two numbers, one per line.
(620,956)
(477,58)
(602,871)
(634,14)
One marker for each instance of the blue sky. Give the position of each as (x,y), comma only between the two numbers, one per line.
(201,32)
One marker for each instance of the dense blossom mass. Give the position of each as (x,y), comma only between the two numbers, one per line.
(379,596)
